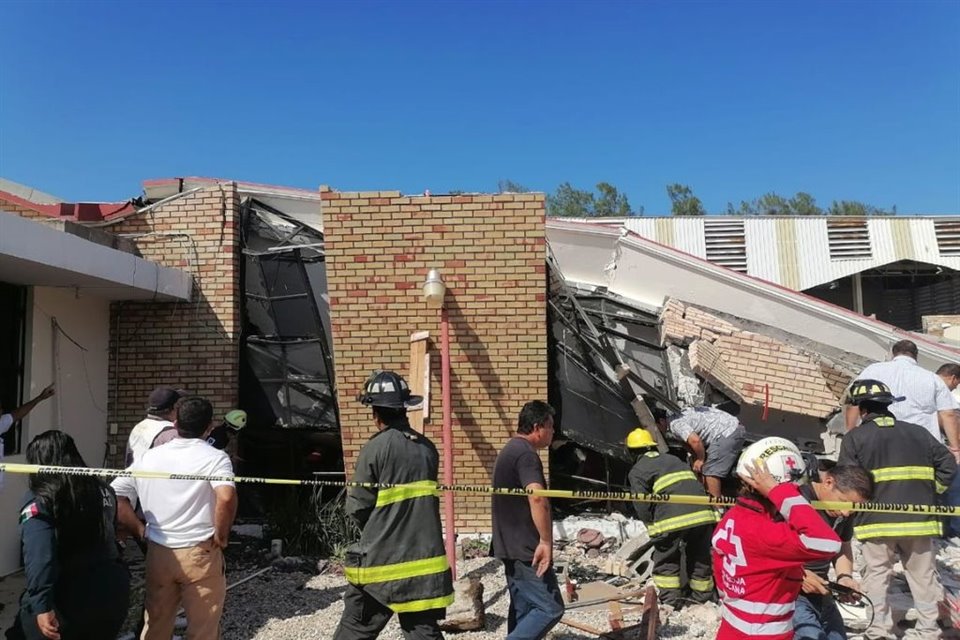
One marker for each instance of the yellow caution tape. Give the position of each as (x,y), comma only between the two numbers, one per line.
(616,496)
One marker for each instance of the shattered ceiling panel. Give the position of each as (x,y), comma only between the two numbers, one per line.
(287,376)
(592,336)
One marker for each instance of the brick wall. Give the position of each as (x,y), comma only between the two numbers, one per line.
(491,252)
(799,381)
(24,212)
(191,345)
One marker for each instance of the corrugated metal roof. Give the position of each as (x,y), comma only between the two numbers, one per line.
(803,252)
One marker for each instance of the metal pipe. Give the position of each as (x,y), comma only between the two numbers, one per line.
(448,512)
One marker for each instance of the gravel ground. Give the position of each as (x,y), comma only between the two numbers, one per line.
(312,605)
(290,602)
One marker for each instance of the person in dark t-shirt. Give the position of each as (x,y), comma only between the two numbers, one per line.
(523,528)
(816,616)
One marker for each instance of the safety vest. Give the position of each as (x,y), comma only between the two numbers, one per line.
(667,474)
(400,558)
(909,466)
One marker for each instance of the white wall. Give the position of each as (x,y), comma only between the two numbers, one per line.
(81,398)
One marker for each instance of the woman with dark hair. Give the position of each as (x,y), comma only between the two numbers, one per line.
(77,585)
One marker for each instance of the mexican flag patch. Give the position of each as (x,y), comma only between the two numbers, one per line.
(28,512)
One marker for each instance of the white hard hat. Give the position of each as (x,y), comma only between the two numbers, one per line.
(783,459)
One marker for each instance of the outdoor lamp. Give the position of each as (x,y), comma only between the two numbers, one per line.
(434,289)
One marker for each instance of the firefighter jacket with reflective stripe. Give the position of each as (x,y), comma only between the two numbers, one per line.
(400,559)
(759,549)
(663,473)
(908,465)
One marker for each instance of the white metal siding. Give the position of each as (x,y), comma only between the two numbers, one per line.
(934,241)
(764,264)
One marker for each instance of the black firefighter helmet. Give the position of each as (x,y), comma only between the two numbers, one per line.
(870,391)
(388,389)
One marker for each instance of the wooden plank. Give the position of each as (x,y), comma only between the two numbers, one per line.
(419,378)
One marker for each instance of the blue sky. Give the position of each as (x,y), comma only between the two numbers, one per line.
(845,100)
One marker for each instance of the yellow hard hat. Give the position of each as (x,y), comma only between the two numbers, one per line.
(640,438)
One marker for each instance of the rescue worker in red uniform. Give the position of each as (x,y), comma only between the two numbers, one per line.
(680,531)
(762,543)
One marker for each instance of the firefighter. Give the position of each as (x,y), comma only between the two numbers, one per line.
(909,466)
(763,541)
(677,530)
(399,565)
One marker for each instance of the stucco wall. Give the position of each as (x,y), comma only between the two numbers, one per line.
(82,390)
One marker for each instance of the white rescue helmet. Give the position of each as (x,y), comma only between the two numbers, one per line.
(783,459)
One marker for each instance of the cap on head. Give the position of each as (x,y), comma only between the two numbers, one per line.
(163,399)
(388,389)
(870,391)
(782,457)
(640,438)
(236,419)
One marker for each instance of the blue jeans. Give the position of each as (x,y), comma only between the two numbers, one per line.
(535,603)
(817,618)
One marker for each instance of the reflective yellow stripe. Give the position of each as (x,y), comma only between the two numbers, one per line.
(682,522)
(671,479)
(940,487)
(406,491)
(422,605)
(897,529)
(701,585)
(398,571)
(887,474)
(666,582)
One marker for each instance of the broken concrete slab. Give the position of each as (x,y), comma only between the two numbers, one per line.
(707,362)
(467,612)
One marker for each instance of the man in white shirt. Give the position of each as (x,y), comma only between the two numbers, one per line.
(157,427)
(950,374)
(188,523)
(927,400)
(7,420)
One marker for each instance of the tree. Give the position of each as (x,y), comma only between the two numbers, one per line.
(803,204)
(773,204)
(569,201)
(610,202)
(856,208)
(509,186)
(683,202)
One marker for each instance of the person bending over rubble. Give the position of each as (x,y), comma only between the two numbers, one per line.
(714,437)
(762,543)
(672,526)
(817,616)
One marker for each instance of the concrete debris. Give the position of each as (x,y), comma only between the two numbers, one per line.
(467,612)
(615,526)
(689,391)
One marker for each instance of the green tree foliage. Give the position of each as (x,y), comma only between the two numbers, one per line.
(509,186)
(855,208)
(683,202)
(803,204)
(610,202)
(568,201)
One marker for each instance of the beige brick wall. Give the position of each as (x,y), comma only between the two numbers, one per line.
(491,251)
(191,345)
(22,211)
(798,381)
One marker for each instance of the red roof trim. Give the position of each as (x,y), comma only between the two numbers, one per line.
(77,211)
